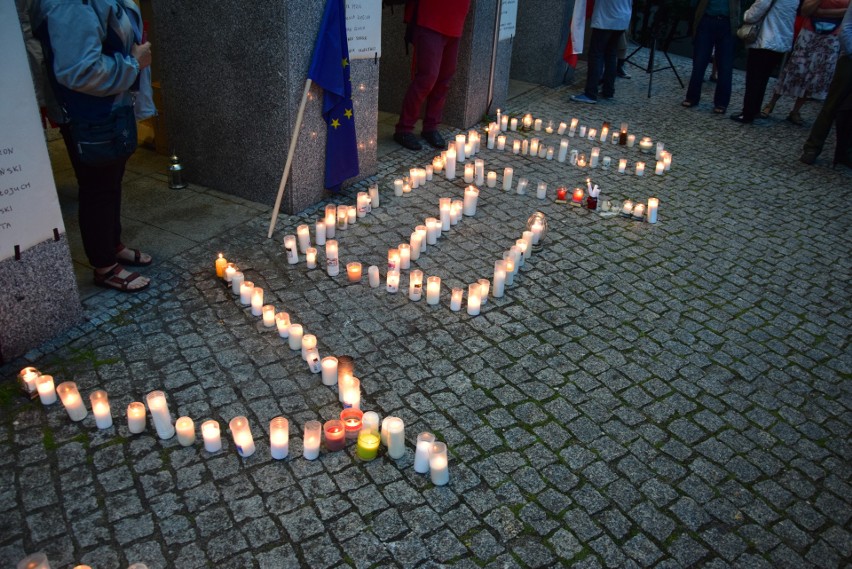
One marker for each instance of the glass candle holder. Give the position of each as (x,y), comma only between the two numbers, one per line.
(100,409)
(351,419)
(279,438)
(72,401)
(27,381)
(243,439)
(335,435)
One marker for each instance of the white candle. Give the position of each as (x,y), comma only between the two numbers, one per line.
(291,250)
(393,259)
(330,220)
(352,393)
(504,122)
(604,133)
(479,171)
(414,179)
(246,289)
(592,133)
(404,256)
(606,162)
(329,370)
(415,285)
(444,205)
(243,439)
(311,257)
(460,150)
(294,339)
(521,188)
(639,211)
(363,204)
(373,276)
(667,160)
(471,197)
(397,187)
(549,154)
(309,342)
(450,164)
(212,436)
(438,465)
(631,140)
(331,261)
(492,179)
(469,149)
(627,207)
(136,417)
(282,322)
(561,130)
(499,278)
(392,281)
(433,290)
(653,205)
(72,401)
(414,245)
(46,389)
(433,230)
(342,217)
(373,192)
(595,158)
(522,248)
(534,147)
(456,211)
(229,272)
(396,437)
(185,431)
(492,136)
(582,132)
(528,121)
(237,282)
(574,154)
(421,452)
(474,301)
(509,264)
(660,147)
(351,214)
(537,124)
(353,272)
(516,147)
(257,301)
(563,150)
(279,438)
(573,128)
(501,142)
(312,357)
(525,147)
(100,409)
(468,173)
(160,415)
(513,124)
(34,561)
(537,230)
(640,168)
(304,234)
(423,231)
(541,190)
(660,168)
(456,299)
(484,286)
(622,165)
(311,440)
(507,179)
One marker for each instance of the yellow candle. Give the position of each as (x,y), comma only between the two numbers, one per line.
(221,263)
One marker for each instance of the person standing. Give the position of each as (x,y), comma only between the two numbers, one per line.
(773,41)
(610,19)
(714,28)
(435,29)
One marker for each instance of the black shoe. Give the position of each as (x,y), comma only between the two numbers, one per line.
(740,118)
(408,140)
(809,157)
(623,74)
(434,138)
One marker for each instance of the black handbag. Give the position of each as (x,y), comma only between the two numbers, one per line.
(105,141)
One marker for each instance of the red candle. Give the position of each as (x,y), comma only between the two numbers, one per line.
(562,194)
(351,419)
(578,195)
(335,435)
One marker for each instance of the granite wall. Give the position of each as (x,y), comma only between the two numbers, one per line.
(467,101)
(233,78)
(540,38)
(40,298)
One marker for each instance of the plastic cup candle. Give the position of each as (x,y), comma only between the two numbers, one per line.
(574,156)
(100,409)
(595,157)
(243,440)
(438,464)
(474,300)
(392,282)
(660,150)
(309,342)
(509,262)
(364,204)
(592,133)
(640,168)
(582,132)
(516,147)
(351,419)
(528,121)
(257,301)
(279,438)
(237,282)
(561,130)
(351,214)
(573,128)
(393,259)
(230,269)
(329,370)
(604,133)
(627,207)
(46,390)
(606,162)
(368,444)
(370,421)
(456,211)
(667,160)
(331,261)
(541,190)
(212,436)
(185,431)
(304,234)
(513,124)
(499,278)
(622,165)
(395,437)
(430,172)
(352,393)
(72,401)
(246,289)
(536,125)
(433,290)
(549,154)
(437,164)
(353,271)
(373,276)
(422,231)
(342,217)
(660,168)
(444,205)
(479,171)
(34,561)
(456,299)
(581,161)
(577,196)
(468,173)
(450,164)
(471,197)
(492,179)
(311,257)
(294,337)
(653,206)
(291,250)
(421,452)
(501,142)
(639,211)
(561,194)
(507,179)
(521,188)
(335,435)
(221,263)
(433,230)
(504,122)
(282,322)
(415,285)
(136,417)
(534,147)
(397,187)
(484,287)
(160,415)
(525,147)
(330,221)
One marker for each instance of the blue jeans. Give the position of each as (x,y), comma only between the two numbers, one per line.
(603,56)
(712,32)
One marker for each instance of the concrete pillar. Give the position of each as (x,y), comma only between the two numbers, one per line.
(542,31)
(233,78)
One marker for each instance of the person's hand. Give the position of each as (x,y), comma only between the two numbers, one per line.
(142,53)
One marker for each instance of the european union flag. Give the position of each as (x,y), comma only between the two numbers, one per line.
(330,70)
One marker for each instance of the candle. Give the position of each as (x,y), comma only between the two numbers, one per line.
(606,162)
(525,147)
(430,171)
(474,301)
(370,421)
(450,164)
(537,230)
(541,190)
(100,409)
(329,370)
(185,431)
(433,230)
(159,408)
(622,165)
(295,336)
(501,142)
(392,282)
(433,290)
(72,401)
(492,179)
(313,358)
(373,192)
(521,245)
(504,122)
(484,286)
(645,144)
(237,282)
(444,205)
(342,217)
(395,437)
(309,342)
(415,285)
(627,208)
(582,132)
(499,278)
(513,124)
(661,167)
(331,262)
(397,187)
(528,121)
(304,234)
(393,259)
(516,147)
(415,244)
(521,188)
(491,131)
(667,160)
(34,561)
(241,432)
(471,197)
(246,289)
(561,130)
(622,134)
(660,150)
(456,298)
(351,392)
(561,194)
(351,214)
(279,438)
(537,124)
(46,389)
(412,176)
(221,263)
(479,171)
(230,269)
(335,435)
(368,444)
(604,132)
(534,147)
(330,220)
(282,322)
(573,127)
(592,133)
(421,452)
(507,179)
(574,154)
(581,161)
(353,271)
(437,164)
(212,436)
(136,417)
(509,260)
(373,276)
(311,257)
(468,173)
(257,301)
(577,197)
(631,140)
(363,204)
(351,419)
(615,138)
(595,157)
(438,467)
(653,205)
(290,248)
(640,168)
(639,211)
(456,209)
(549,154)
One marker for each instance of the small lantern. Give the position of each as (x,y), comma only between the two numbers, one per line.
(27,381)
(176,174)
(537,223)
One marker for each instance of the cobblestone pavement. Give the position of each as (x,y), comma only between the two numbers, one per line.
(665,395)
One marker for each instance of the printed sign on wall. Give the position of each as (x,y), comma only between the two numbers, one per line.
(508,19)
(364,28)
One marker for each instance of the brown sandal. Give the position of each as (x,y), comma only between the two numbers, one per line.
(137,258)
(110,279)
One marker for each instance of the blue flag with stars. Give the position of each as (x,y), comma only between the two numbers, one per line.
(330,70)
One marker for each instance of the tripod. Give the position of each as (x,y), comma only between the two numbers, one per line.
(655,27)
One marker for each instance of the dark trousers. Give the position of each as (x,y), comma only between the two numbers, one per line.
(839,90)
(100,205)
(435,58)
(712,32)
(759,65)
(603,58)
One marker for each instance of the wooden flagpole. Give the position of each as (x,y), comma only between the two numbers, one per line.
(290,153)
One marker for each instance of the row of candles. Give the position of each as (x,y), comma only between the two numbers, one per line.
(638,211)
(39,560)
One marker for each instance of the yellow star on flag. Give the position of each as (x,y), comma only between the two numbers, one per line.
(345,62)
(335,123)
(348,113)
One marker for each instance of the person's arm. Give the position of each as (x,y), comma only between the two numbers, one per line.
(756,11)
(76,38)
